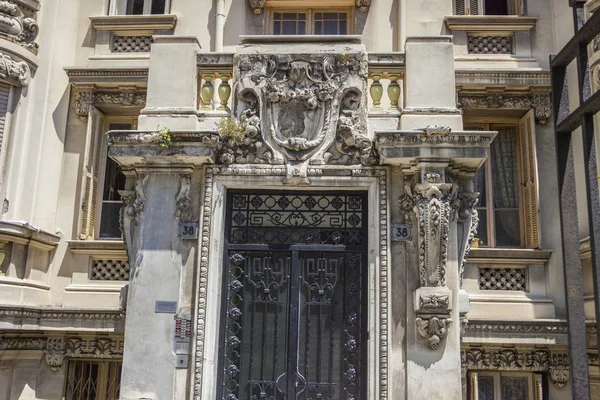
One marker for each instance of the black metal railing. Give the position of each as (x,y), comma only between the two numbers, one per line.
(567,124)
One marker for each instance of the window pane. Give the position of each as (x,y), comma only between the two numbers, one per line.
(301,28)
(480,185)
(331,23)
(505,187)
(485,385)
(114,180)
(496,7)
(331,27)
(158,7)
(514,387)
(318,27)
(135,7)
(482,229)
(109,223)
(343,28)
(508,232)
(289,28)
(277,28)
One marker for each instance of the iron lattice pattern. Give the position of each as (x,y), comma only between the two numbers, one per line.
(93,379)
(503,279)
(297,219)
(131,44)
(110,270)
(490,44)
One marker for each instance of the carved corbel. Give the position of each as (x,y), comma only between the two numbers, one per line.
(559,369)
(16,25)
(17,72)
(183,201)
(431,200)
(363,5)
(84,98)
(540,100)
(134,200)
(468,221)
(257,6)
(55,353)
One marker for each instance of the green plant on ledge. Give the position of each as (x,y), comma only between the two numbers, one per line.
(164,136)
(231,129)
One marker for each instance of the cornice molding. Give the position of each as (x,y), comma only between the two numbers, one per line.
(488,23)
(82,76)
(12,313)
(535,328)
(134,22)
(503,77)
(85,96)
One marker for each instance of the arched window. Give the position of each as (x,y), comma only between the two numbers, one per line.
(139,7)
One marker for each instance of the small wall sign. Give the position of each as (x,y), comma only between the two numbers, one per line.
(168,307)
(188,230)
(401,232)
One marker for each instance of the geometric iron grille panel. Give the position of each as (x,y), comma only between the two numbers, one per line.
(490,44)
(110,270)
(503,279)
(294,313)
(294,218)
(131,44)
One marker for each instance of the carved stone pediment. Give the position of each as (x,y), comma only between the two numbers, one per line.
(300,109)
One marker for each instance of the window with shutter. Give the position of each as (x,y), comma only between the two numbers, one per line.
(508,187)
(138,7)
(4,97)
(491,385)
(91,172)
(529,181)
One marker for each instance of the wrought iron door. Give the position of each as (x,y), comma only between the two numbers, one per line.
(294,313)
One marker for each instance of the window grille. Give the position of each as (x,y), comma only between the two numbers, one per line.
(497,44)
(131,44)
(110,270)
(503,279)
(92,379)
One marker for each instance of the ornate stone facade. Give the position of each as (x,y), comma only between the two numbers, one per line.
(17,24)
(85,96)
(16,72)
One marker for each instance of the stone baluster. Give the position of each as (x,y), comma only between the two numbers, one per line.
(393,91)
(224,92)
(376,91)
(208,91)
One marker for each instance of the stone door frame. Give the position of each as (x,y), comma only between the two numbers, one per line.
(217,180)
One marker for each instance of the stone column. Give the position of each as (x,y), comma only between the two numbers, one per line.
(438,161)
(162,192)
(172,97)
(430,90)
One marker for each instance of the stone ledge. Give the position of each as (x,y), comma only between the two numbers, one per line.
(98,248)
(22,232)
(191,147)
(490,23)
(134,22)
(490,77)
(120,76)
(508,256)
(277,39)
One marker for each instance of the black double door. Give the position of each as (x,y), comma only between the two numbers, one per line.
(294,312)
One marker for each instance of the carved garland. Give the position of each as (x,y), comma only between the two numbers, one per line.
(57,348)
(87,96)
(555,362)
(377,173)
(537,98)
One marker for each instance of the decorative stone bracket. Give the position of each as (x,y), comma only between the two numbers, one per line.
(16,72)
(85,96)
(537,98)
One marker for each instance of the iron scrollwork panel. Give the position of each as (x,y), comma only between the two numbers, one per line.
(331,329)
(256,324)
(294,319)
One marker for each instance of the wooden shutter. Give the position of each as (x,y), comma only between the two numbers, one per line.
(473,7)
(459,7)
(91,172)
(4,93)
(473,389)
(529,181)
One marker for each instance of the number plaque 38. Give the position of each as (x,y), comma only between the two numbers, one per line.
(401,232)
(188,230)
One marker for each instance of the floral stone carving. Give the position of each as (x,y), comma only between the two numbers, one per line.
(300,109)
(17,72)
(14,24)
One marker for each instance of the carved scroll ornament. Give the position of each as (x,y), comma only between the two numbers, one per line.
(17,26)
(87,96)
